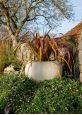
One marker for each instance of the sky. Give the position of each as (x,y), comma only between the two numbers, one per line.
(66,24)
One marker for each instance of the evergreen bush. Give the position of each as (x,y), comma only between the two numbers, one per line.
(53,96)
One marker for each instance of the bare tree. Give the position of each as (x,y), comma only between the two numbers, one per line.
(15,14)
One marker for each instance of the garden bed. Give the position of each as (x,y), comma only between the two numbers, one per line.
(21,95)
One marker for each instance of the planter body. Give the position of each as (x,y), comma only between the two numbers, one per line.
(44,70)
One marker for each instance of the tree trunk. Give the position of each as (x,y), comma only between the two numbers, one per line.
(13,37)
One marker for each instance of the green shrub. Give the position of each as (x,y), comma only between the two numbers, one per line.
(58,96)
(15,91)
(7,57)
(27,96)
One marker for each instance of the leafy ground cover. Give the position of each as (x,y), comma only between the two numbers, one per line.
(22,95)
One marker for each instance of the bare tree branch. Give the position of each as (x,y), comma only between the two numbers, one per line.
(17,13)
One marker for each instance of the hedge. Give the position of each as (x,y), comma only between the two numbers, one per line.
(26,96)
(14,91)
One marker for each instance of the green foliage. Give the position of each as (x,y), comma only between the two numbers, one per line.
(15,91)
(58,96)
(8,57)
(12,59)
(27,96)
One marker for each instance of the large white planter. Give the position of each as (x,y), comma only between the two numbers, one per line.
(44,70)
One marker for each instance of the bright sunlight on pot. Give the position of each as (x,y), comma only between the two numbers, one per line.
(44,70)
